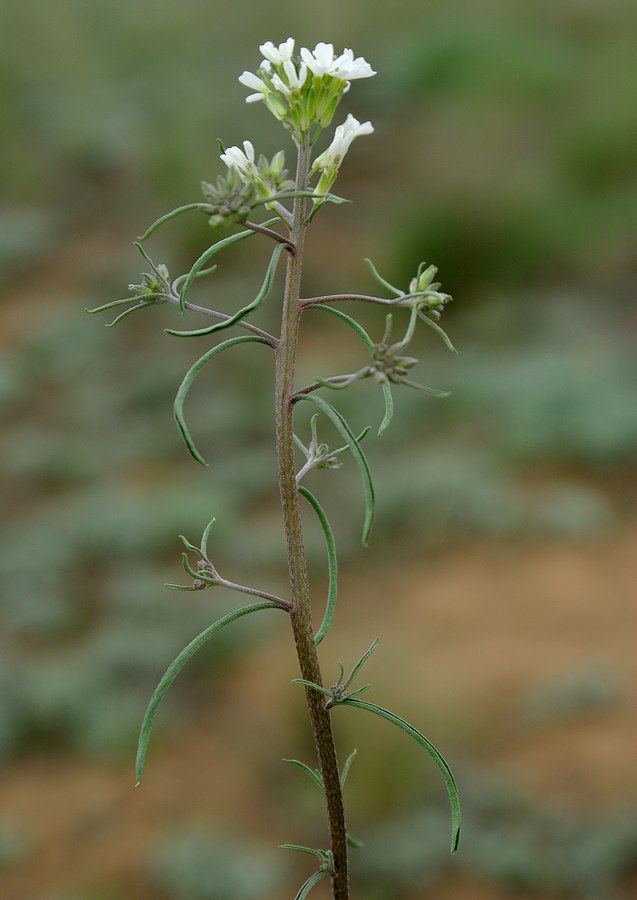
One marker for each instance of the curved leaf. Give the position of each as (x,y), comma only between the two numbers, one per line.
(171,215)
(389,406)
(202,273)
(190,376)
(431,750)
(357,453)
(360,331)
(212,251)
(127,312)
(244,311)
(443,334)
(379,278)
(314,774)
(332,564)
(309,884)
(175,668)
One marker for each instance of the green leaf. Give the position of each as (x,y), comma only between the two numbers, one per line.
(314,774)
(175,668)
(190,376)
(361,662)
(389,406)
(354,842)
(320,853)
(390,287)
(126,312)
(332,564)
(360,331)
(244,311)
(204,538)
(313,685)
(179,280)
(114,303)
(309,884)
(433,392)
(431,750)
(347,767)
(188,545)
(171,215)
(209,253)
(329,198)
(439,331)
(357,453)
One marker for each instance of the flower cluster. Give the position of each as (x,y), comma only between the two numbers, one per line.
(234,194)
(304,90)
(433,301)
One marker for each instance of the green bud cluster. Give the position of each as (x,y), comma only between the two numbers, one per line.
(231,198)
(154,285)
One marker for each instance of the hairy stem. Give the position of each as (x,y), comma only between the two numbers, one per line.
(300,615)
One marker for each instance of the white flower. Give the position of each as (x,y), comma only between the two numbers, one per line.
(348,68)
(278,55)
(343,137)
(296,80)
(321,61)
(250,80)
(242,162)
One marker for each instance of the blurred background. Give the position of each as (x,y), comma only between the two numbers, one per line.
(501,575)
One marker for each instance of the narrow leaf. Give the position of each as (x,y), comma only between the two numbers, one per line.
(188,545)
(175,668)
(390,287)
(360,331)
(190,376)
(309,884)
(204,538)
(209,253)
(126,312)
(314,774)
(347,767)
(439,331)
(300,849)
(244,311)
(361,662)
(357,453)
(111,305)
(171,215)
(389,405)
(179,280)
(332,565)
(433,392)
(311,684)
(354,842)
(431,750)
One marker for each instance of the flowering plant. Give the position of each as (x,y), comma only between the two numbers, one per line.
(303,92)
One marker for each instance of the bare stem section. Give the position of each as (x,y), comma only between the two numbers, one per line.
(300,614)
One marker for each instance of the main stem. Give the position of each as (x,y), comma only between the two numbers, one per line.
(300,616)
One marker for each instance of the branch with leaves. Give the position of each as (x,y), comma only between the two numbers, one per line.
(302,90)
